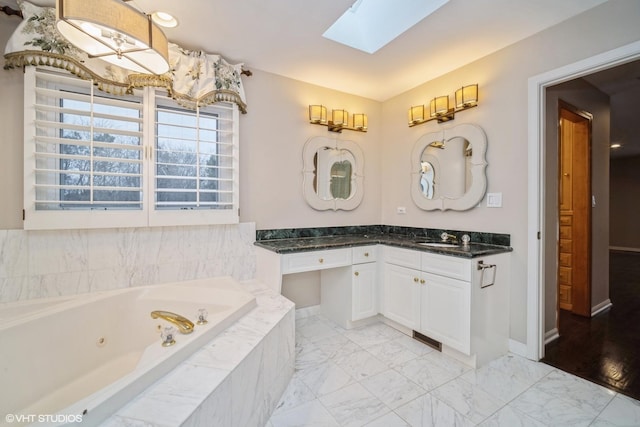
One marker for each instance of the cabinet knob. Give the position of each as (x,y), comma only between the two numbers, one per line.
(366,254)
(321,260)
(415,279)
(356,273)
(422,281)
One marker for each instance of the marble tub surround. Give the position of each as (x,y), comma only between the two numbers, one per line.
(235,380)
(375,376)
(44,264)
(308,239)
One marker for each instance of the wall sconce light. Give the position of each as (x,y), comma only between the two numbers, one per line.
(466,97)
(339,119)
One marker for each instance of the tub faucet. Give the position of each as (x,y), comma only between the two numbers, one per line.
(446,237)
(184,325)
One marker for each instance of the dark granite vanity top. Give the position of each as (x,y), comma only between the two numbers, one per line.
(284,241)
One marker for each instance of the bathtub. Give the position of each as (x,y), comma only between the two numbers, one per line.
(68,359)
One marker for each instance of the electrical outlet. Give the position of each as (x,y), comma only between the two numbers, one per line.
(494,200)
(401,210)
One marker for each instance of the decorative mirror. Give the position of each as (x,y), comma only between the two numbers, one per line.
(448,168)
(332,174)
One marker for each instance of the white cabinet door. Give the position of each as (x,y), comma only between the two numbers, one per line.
(364,297)
(446,311)
(401,295)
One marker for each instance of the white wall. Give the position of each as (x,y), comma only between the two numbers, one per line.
(625,204)
(502,113)
(275,129)
(272,135)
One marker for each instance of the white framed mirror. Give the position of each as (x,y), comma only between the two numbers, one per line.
(448,168)
(332,174)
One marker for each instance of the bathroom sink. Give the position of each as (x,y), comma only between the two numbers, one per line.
(439,244)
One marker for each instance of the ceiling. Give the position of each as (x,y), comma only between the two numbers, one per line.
(285,37)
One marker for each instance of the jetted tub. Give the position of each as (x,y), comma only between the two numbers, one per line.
(83,357)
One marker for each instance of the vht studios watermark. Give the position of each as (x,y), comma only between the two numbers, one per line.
(42,418)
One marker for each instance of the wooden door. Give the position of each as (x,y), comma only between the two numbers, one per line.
(574,248)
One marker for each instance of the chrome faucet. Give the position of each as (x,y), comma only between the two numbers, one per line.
(184,325)
(448,237)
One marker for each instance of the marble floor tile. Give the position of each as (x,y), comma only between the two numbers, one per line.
(360,364)
(521,368)
(586,395)
(510,417)
(375,376)
(353,406)
(296,393)
(427,411)
(369,335)
(314,329)
(499,384)
(389,420)
(310,414)
(468,399)
(431,371)
(392,388)
(621,411)
(325,378)
(337,346)
(414,346)
(391,353)
(551,410)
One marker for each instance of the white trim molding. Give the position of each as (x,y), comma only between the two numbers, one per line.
(599,308)
(536,106)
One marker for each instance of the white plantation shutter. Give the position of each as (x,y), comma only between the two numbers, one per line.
(83,154)
(93,160)
(194,157)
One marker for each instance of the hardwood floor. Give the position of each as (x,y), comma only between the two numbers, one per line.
(606,348)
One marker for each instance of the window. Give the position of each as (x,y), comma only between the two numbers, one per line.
(94,160)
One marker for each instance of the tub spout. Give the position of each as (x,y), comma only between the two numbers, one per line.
(184,325)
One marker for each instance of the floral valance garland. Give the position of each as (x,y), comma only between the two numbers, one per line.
(195,78)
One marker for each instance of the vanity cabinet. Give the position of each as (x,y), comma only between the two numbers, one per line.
(364,288)
(441,297)
(350,294)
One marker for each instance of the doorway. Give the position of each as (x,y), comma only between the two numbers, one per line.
(574,210)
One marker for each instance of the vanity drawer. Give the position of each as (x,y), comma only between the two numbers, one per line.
(565,260)
(315,260)
(565,231)
(363,254)
(449,266)
(402,257)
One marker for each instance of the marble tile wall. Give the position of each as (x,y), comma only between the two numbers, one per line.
(41,264)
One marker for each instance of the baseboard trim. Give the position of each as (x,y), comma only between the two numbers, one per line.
(623,249)
(601,307)
(516,347)
(551,336)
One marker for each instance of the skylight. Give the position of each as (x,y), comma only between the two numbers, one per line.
(368,25)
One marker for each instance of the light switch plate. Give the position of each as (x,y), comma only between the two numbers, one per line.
(494,200)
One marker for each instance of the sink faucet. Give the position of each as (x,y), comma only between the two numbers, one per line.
(448,237)
(184,325)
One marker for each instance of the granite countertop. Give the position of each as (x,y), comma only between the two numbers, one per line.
(303,244)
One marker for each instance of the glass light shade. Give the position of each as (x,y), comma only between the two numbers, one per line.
(439,106)
(340,117)
(115,32)
(416,114)
(360,121)
(467,96)
(317,114)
